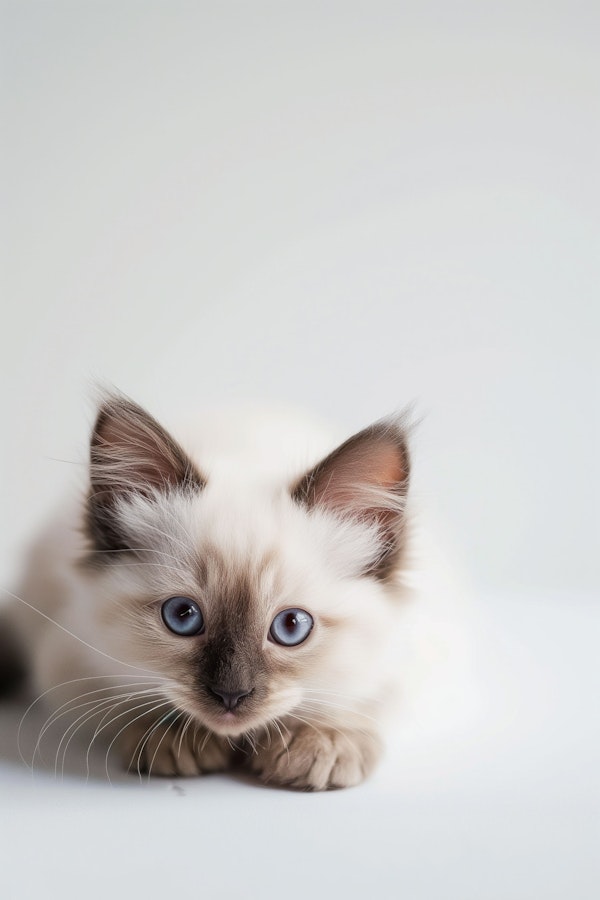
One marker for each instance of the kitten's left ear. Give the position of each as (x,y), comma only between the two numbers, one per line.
(365,478)
(130,454)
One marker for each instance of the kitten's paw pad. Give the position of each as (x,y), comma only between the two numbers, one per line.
(318,760)
(166,752)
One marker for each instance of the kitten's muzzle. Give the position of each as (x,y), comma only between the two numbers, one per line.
(229,699)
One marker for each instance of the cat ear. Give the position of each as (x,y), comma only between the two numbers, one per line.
(130,454)
(365,478)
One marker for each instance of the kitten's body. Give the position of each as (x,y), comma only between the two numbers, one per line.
(239,516)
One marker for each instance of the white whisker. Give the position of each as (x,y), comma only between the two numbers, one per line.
(277,726)
(319,703)
(167,729)
(138,550)
(67,708)
(127,725)
(355,698)
(74,727)
(76,637)
(103,724)
(110,704)
(65,684)
(186,726)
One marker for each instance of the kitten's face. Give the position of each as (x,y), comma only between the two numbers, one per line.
(240,575)
(282,605)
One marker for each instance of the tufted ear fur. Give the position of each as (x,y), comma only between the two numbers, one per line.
(365,478)
(130,454)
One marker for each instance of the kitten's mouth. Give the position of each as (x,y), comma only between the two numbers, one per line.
(228,718)
(225,721)
(227,724)
(233,723)
(229,721)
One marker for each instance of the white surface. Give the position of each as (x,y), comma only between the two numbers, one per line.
(347,207)
(503,805)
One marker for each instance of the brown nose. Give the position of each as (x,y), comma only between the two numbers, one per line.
(229,699)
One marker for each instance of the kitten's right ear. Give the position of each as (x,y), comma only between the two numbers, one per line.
(130,454)
(366,478)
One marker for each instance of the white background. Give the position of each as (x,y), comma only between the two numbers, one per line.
(345,207)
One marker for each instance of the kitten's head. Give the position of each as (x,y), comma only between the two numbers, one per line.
(251,597)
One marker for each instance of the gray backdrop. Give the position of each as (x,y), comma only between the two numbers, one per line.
(345,207)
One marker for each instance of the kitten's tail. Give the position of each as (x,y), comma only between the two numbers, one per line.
(13,669)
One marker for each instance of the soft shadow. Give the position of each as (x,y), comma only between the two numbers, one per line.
(61,752)
(27,743)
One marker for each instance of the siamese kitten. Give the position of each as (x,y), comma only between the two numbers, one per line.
(237,586)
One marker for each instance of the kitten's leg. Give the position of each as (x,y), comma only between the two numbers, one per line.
(169,748)
(316,757)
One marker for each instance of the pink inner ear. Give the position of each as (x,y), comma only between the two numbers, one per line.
(371,462)
(387,466)
(365,478)
(131,451)
(125,443)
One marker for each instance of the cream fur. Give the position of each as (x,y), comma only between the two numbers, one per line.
(320,722)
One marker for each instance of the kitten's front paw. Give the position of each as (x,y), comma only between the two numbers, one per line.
(164,751)
(317,759)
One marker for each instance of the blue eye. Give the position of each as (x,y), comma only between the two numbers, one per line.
(182,616)
(291,627)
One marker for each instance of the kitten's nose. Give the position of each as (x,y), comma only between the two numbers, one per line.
(229,699)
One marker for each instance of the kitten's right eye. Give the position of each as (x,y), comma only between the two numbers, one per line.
(291,627)
(182,616)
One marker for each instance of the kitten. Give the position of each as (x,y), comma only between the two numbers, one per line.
(243,581)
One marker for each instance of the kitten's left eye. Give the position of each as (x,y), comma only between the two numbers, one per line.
(291,627)
(182,616)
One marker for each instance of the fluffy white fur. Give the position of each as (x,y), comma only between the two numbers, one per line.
(96,636)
